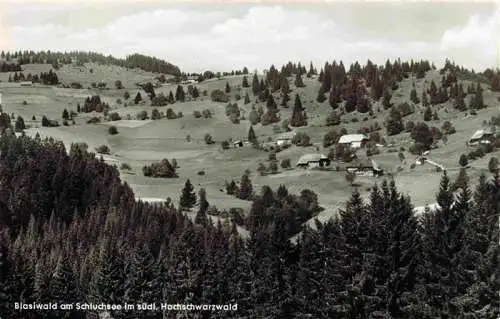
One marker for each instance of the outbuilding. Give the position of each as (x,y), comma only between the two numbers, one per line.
(313,160)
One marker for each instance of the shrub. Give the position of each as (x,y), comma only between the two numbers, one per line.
(219,96)
(208,139)
(103,149)
(493,165)
(448,128)
(285,163)
(125,167)
(333,119)
(112,130)
(301,139)
(463,160)
(114,116)
(161,169)
(206,114)
(25,103)
(142,115)
(201,173)
(197,114)
(93,120)
(330,138)
(225,145)
(49,123)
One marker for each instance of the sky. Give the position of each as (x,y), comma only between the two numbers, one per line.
(223,35)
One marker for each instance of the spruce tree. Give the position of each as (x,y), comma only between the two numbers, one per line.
(252,137)
(201,215)
(298,81)
(228,88)
(19,125)
(298,115)
(188,196)
(244,82)
(255,85)
(246,100)
(65,114)
(138,98)
(246,189)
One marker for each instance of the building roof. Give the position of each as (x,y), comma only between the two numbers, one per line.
(350,138)
(307,158)
(286,135)
(479,134)
(360,162)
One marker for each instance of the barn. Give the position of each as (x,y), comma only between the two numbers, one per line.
(313,160)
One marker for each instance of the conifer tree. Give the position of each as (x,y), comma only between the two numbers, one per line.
(63,284)
(244,82)
(246,189)
(65,114)
(228,88)
(255,85)
(138,98)
(188,196)
(298,81)
(252,138)
(201,217)
(19,125)
(298,116)
(246,99)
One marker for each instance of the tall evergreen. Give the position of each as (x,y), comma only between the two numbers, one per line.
(252,138)
(201,217)
(298,116)
(188,196)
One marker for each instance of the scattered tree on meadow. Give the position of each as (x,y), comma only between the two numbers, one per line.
(19,126)
(118,85)
(245,191)
(463,161)
(65,114)
(298,116)
(188,196)
(138,98)
(244,82)
(427,114)
(298,81)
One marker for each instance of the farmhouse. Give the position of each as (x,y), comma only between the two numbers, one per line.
(313,160)
(480,137)
(353,140)
(285,138)
(26,83)
(364,167)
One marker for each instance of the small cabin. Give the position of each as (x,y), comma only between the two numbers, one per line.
(313,160)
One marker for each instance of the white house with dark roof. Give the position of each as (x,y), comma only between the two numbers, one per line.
(354,140)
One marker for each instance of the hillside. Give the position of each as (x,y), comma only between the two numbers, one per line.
(183,214)
(140,143)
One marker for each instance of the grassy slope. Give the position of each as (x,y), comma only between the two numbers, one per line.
(140,143)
